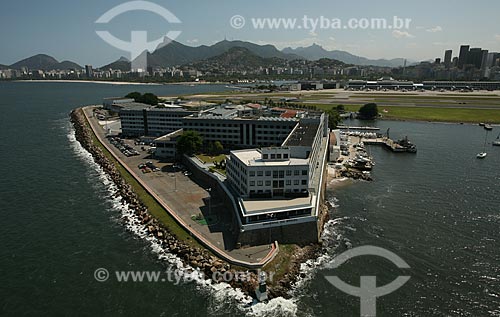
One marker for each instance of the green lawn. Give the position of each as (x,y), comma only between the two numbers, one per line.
(435,114)
(211,159)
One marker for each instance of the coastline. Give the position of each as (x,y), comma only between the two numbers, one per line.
(109,82)
(84,81)
(197,257)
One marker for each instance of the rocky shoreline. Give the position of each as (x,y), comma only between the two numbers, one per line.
(198,258)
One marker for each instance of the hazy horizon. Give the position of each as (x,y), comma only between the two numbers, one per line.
(67,31)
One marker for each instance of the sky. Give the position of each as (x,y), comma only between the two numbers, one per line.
(66,29)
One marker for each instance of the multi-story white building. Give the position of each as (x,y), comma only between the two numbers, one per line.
(138,119)
(277,186)
(267,173)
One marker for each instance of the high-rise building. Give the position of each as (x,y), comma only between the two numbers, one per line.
(89,72)
(447,58)
(454,62)
(484,59)
(475,57)
(462,58)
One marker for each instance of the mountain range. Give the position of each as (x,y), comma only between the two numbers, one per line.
(176,53)
(44,62)
(315,52)
(238,58)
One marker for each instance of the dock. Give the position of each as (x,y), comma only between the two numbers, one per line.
(344,127)
(403,146)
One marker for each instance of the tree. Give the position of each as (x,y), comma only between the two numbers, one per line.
(149,98)
(368,111)
(218,148)
(340,109)
(134,95)
(334,118)
(189,143)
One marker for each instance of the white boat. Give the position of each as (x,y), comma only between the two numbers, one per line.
(482,155)
(497,141)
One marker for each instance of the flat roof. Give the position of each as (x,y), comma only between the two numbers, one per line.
(253,157)
(262,206)
(303,134)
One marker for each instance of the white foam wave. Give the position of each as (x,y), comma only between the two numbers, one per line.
(219,292)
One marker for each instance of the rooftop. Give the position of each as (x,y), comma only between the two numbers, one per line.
(253,157)
(170,136)
(303,134)
(266,206)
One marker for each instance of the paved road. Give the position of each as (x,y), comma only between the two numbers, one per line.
(187,198)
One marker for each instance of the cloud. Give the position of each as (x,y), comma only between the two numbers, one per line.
(401,34)
(192,41)
(331,38)
(312,33)
(435,29)
(497,37)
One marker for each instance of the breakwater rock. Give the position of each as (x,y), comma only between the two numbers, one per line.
(210,265)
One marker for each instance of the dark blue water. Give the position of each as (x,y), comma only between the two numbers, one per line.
(438,210)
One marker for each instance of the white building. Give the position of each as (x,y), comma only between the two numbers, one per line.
(139,119)
(165,146)
(267,173)
(277,186)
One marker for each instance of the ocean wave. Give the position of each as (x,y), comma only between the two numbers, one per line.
(219,293)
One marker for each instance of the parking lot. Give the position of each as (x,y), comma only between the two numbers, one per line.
(189,199)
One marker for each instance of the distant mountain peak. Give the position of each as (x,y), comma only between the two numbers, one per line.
(316,52)
(44,62)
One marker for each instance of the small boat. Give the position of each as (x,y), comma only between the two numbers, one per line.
(488,127)
(482,124)
(497,141)
(483,154)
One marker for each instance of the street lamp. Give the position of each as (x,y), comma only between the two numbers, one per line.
(175,181)
(209,190)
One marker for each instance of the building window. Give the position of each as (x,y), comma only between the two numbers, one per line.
(273,156)
(259,183)
(252,183)
(296,182)
(304,182)
(278,156)
(260,173)
(304,172)
(268,173)
(288,173)
(285,156)
(252,173)
(282,174)
(268,183)
(296,172)
(265,156)
(275,174)
(288,182)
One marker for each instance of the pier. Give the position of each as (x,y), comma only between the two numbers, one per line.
(344,127)
(402,146)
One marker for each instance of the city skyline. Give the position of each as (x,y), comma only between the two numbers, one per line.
(67,30)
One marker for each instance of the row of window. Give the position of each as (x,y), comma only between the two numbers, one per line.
(278,173)
(280,184)
(229,125)
(275,156)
